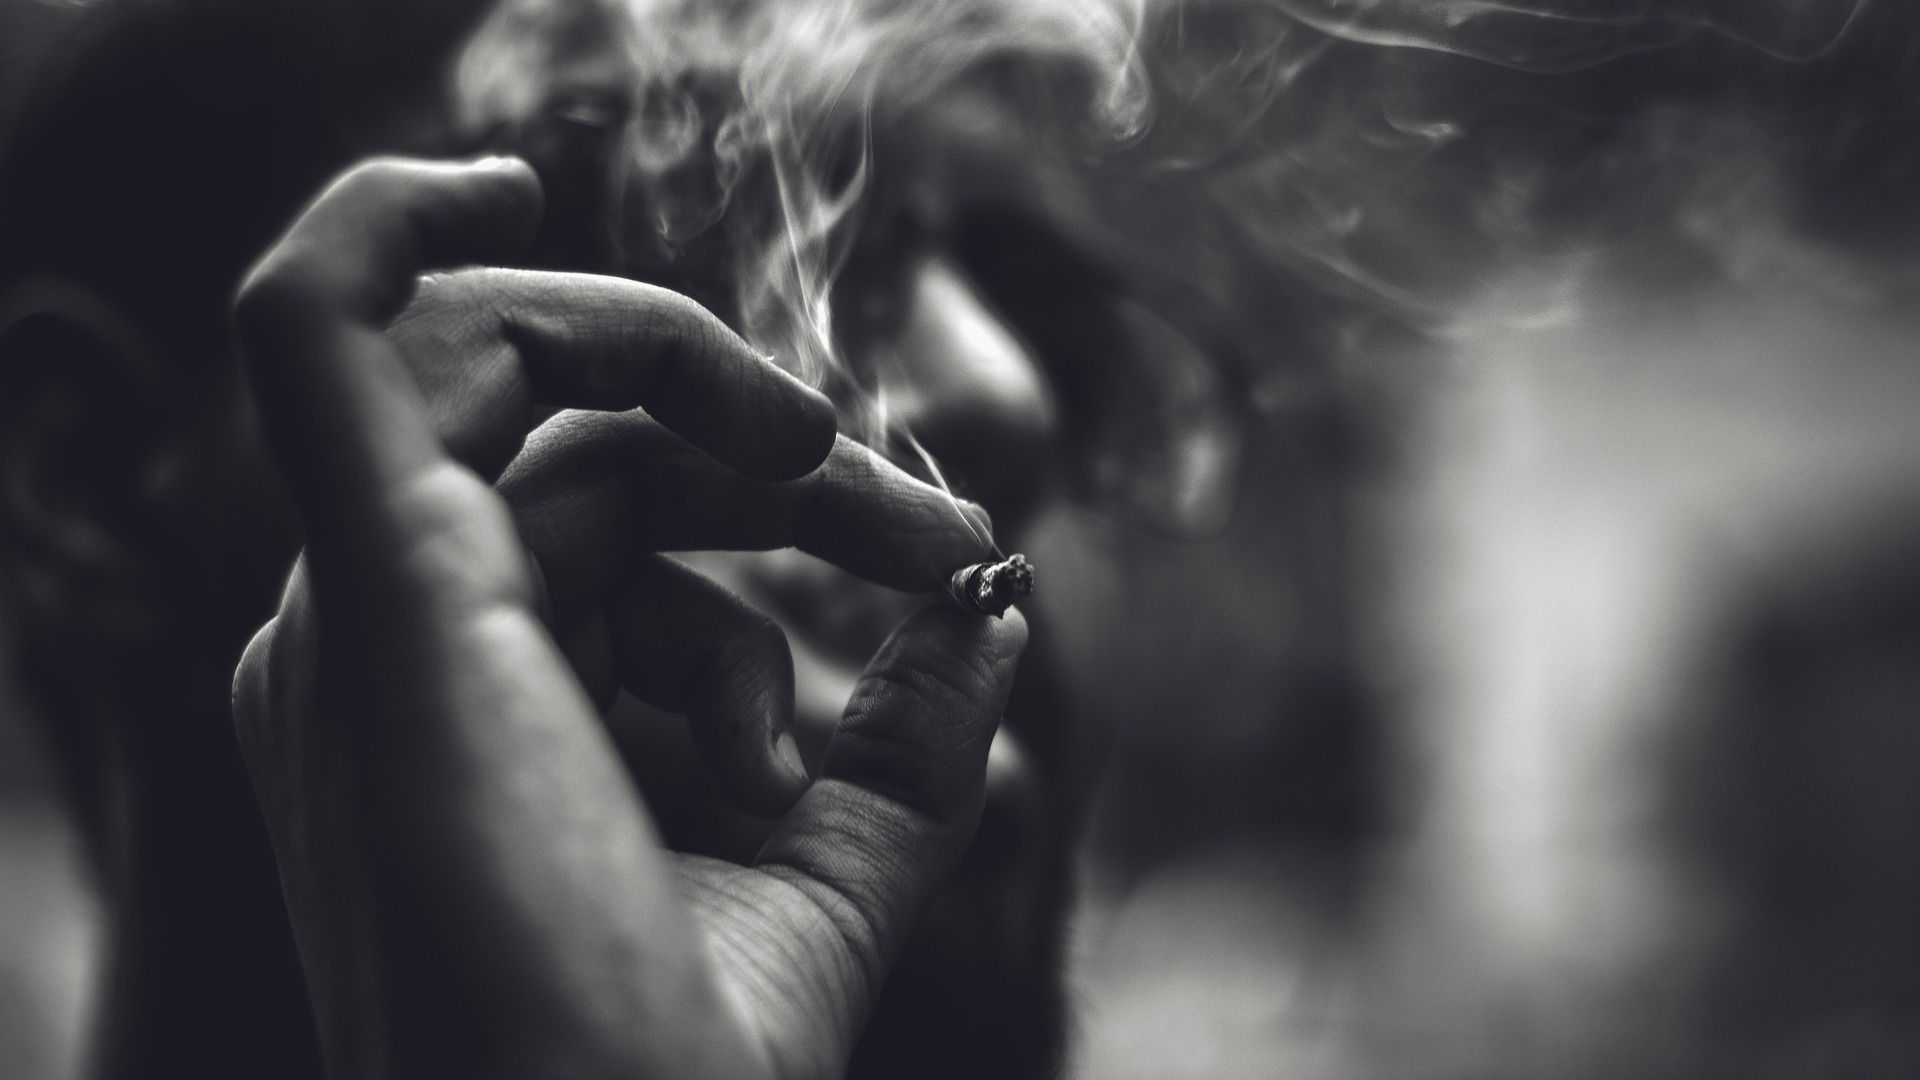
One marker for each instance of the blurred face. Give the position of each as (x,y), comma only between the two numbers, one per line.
(956,377)
(985,343)
(1586,487)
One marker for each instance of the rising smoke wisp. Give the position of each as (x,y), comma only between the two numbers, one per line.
(1399,154)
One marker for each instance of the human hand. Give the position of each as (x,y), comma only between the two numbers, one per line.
(475,886)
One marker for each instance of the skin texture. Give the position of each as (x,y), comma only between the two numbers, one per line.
(474,883)
(155,160)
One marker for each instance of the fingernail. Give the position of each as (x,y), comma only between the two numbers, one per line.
(788,751)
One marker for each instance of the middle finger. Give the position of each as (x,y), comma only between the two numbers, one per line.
(593,489)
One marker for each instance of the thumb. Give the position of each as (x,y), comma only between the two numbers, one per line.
(897,800)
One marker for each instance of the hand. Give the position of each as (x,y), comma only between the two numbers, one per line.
(475,887)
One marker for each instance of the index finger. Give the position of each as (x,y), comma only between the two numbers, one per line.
(341,414)
(595,342)
(345,419)
(505,851)
(593,488)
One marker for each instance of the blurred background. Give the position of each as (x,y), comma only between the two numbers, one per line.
(1469,453)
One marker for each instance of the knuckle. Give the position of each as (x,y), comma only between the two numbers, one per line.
(944,678)
(899,743)
(934,683)
(450,319)
(294,277)
(680,332)
(704,333)
(667,324)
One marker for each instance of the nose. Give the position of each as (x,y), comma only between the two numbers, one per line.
(961,382)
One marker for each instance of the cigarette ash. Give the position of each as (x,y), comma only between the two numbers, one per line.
(991,588)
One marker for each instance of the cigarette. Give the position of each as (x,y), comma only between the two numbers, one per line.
(990,588)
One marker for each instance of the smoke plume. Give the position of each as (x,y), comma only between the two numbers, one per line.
(1398,154)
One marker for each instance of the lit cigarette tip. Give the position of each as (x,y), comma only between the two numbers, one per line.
(990,588)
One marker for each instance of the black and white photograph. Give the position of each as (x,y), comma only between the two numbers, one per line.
(960,539)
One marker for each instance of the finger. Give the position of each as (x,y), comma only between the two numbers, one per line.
(298,767)
(488,343)
(593,487)
(513,858)
(346,425)
(896,803)
(683,643)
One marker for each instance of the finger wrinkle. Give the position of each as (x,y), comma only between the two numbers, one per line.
(825,866)
(790,969)
(942,793)
(945,676)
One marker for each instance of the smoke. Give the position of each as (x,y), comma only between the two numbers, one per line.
(749,120)
(1410,154)
(1399,154)
(1563,35)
